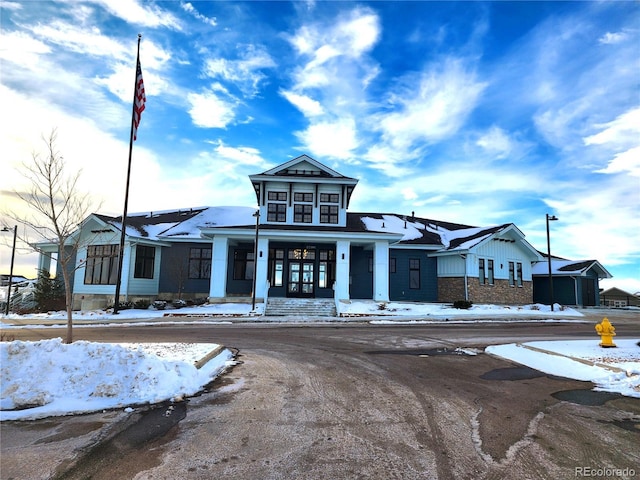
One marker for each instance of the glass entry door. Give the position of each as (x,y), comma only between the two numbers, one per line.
(300,282)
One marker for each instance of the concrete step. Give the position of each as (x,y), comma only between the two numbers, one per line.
(306,307)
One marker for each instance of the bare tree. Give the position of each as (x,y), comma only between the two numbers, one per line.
(56,210)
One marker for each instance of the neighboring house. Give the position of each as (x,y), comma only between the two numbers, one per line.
(614,297)
(575,282)
(308,246)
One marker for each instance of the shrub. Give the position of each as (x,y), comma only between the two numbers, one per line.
(462,304)
(142,304)
(48,293)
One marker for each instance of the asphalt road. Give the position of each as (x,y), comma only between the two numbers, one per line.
(346,401)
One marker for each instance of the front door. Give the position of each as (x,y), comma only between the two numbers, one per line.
(300,281)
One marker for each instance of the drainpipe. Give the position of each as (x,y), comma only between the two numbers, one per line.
(466,287)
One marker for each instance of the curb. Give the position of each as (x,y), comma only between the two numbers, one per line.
(579,360)
(212,354)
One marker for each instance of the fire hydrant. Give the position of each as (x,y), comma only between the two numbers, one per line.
(606,332)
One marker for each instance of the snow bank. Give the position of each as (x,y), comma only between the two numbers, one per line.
(49,378)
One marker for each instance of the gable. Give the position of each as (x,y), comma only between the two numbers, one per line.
(302,166)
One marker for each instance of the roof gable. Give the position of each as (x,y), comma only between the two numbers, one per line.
(303,166)
(576,268)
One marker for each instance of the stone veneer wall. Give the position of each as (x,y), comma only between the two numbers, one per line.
(451,289)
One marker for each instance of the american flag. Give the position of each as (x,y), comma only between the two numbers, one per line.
(139,101)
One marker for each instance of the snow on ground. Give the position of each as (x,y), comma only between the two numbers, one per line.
(50,378)
(611,369)
(356,308)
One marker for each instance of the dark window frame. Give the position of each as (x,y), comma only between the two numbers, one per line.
(243,264)
(99,257)
(414,274)
(145,262)
(200,263)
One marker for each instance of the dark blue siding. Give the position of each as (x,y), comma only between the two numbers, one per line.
(174,268)
(361,285)
(399,281)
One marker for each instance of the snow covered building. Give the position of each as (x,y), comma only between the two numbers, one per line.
(301,242)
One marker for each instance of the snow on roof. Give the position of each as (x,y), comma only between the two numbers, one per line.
(568,267)
(447,235)
(184,222)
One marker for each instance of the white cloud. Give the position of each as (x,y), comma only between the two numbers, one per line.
(496,142)
(22,49)
(188,7)
(245,73)
(431,106)
(80,39)
(335,139)
(135,13)
(628,161)
(613,38)
(209,110)
(240,155)
(308,106)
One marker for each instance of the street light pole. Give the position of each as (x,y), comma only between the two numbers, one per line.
(13,256)
(550,218)
(255,261)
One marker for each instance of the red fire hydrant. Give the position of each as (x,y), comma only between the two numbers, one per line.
(606,332)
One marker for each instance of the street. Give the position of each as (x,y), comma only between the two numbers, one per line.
(346,401)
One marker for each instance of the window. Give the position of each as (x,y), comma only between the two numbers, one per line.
(101,267)
(278,196)
(519,273)
(328,214)
(414,273)
(243,265)
(327,268)
(277,212)
(512,269)
(145,259)
(276,266)
(302,213)
(485,275)
(329,198)
(392,265)
(200,263)
(490,271)
(302,197)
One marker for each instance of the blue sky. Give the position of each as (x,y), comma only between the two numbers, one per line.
(470,112)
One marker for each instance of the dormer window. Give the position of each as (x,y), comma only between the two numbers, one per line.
(277,207)
(329,207)
(302,212)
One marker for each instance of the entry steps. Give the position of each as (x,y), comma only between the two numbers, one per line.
(300,307)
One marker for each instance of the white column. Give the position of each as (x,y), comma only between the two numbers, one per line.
(44,262)
(381,271)
(218,284)
(343,248)
(262,268)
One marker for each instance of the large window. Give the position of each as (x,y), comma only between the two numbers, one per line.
(414,273)
(485,271)
(481,274)
(277,207)
(303,212)
(200,263)
(101,267)
(145,260)
(490,271)
(243,265)
(329,213)
(327,268)
(276,266)
(519,274)
(512,274)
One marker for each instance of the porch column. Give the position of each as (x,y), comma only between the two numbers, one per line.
(381,271)
(262,268)
(218,283)
(343,248)
(44,262)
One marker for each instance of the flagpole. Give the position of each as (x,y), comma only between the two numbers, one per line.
(126,193)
